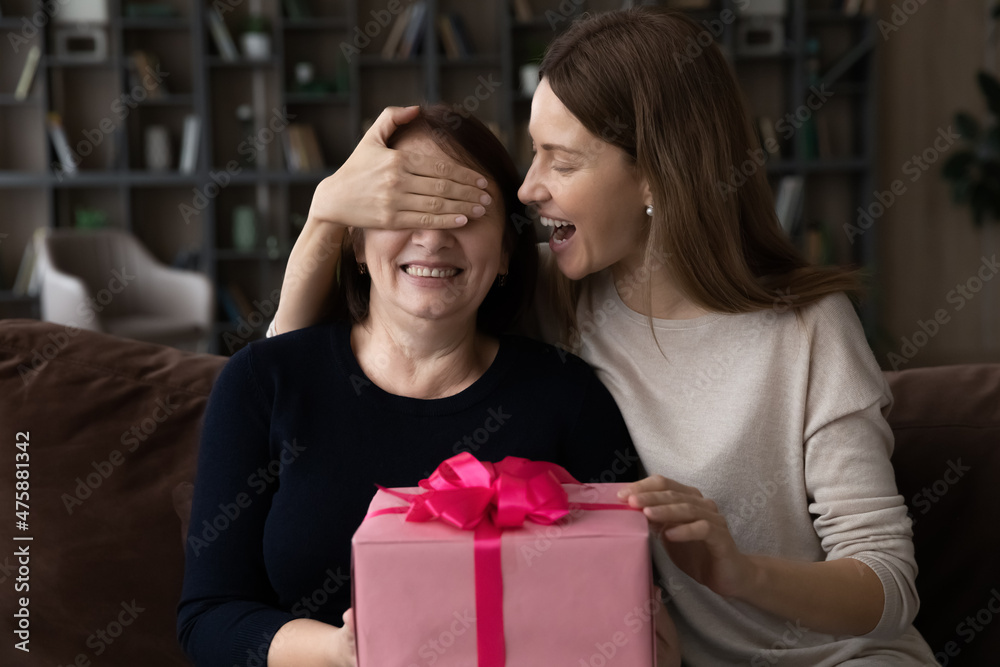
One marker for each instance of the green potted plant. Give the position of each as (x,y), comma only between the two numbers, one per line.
(256,38)
(974,170)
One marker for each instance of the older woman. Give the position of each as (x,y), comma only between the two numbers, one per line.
(742,371)
(299,428)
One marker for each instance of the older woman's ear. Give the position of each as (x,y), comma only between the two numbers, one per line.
(357,243)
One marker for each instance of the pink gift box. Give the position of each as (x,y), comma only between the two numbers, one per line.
(575,593)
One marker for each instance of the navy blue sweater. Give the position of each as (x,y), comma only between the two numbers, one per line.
(295,439)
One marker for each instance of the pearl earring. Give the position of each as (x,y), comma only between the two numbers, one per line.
(649,211)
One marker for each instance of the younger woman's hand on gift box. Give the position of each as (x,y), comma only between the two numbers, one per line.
(693,532)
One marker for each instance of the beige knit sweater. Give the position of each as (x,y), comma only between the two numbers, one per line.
(781,421)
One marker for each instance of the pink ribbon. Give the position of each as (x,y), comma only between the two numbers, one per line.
(489,497)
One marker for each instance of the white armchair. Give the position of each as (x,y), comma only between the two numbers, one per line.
(107,281)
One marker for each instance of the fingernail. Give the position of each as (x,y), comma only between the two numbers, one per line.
(486,200)
(481,183)
(478,210)
(461,220)
(623,493)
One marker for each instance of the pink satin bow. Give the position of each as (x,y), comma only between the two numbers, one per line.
(487,498)
(464,491)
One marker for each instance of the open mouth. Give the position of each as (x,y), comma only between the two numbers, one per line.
(561,230)
(428,272)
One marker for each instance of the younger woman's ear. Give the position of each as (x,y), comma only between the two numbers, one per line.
(647,195)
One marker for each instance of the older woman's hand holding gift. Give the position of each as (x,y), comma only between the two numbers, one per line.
(305,641)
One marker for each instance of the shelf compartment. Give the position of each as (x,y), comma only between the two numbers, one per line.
(108,200)
(268,203)
(322,51)
(24,143)
(30,208)
(252,146)
(168,220)
(174,53)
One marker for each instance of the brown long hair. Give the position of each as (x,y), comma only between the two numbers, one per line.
(464,138)
(683,120)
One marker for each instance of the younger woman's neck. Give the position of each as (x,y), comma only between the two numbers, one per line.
(636,278)
(422,359)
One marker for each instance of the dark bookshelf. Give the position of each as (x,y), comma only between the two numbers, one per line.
(353,92)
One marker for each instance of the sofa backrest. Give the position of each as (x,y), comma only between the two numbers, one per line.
(112,430)
(114,427)
(947,461)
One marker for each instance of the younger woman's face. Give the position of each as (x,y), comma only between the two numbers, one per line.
(435,274)
(585,189)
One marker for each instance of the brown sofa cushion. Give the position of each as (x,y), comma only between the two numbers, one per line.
(113,429)
(947,460)
(80,394)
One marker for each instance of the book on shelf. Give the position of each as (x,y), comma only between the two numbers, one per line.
(392,42)
(768,137)
(818,245)
(25,270)
(415,29)
(60,144)
(228,304)
(28,279)
(824,143)
(28,73)
(310,147)
(853,7)
(240,299)
(460,33)
(494,127)
(141,64)
(221,35)
(788,202)
(447,37)
(302,149)
(189,144)
(523,11)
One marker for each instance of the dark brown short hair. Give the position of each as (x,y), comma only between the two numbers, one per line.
(468,141)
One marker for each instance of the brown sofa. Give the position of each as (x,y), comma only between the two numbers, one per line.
(113,429)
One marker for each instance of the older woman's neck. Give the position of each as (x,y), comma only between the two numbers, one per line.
(424,358)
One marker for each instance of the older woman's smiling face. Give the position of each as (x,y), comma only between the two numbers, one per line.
(435,273)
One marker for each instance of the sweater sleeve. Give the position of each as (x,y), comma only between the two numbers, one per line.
(227,614)
(858,512)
